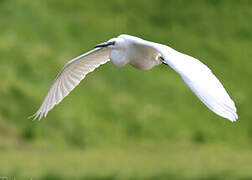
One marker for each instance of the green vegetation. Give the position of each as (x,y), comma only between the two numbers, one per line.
(121,123)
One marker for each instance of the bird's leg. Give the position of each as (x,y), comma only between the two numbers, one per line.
(163,61)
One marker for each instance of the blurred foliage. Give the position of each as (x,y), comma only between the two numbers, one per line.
(123,106)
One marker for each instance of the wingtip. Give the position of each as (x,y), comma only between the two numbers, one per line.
(33,117)
(234,118)
(37,115)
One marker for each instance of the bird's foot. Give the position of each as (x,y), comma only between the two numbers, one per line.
(162,60)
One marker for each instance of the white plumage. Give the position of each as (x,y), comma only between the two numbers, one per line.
(142,54)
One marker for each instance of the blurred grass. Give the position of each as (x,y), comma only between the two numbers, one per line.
(122,106)
(141,161)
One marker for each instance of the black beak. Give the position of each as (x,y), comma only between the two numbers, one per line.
(105,44)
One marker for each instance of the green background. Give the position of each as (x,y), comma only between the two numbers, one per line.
(122,123)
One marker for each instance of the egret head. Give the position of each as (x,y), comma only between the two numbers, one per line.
(113,43)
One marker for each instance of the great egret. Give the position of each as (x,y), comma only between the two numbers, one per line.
(141,54)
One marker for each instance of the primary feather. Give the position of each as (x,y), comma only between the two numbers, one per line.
(71,75)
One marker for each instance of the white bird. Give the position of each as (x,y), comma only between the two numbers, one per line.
(143,55)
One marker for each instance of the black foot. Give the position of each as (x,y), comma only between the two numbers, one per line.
(165,63)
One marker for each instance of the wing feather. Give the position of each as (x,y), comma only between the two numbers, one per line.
(71,75)
(198,77)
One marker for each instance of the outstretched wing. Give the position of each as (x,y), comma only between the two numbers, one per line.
(71,75)
(198,77)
